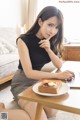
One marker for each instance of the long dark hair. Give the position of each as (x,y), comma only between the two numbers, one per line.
(45,14)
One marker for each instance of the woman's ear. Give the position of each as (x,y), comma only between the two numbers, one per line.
(40,22)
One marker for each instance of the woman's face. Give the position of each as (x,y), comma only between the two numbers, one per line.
(48,28)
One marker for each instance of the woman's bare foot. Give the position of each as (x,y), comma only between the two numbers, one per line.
(2,106)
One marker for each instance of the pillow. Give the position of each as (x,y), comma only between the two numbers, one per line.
(8,46)
(9,34)
(3,50)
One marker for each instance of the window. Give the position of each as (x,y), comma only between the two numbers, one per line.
(70,10)
(9,13)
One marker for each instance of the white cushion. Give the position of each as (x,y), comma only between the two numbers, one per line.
(6,47)
(3,50)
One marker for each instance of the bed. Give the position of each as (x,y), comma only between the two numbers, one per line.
(8,54)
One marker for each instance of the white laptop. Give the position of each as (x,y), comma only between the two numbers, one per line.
(75,67)
(75,83)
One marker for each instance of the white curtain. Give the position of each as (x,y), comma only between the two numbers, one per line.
(26,14)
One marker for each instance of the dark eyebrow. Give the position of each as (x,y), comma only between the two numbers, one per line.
(51,23)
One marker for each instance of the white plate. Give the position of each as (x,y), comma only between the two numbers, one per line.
(64,89)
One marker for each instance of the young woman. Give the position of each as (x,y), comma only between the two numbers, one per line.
(37,47)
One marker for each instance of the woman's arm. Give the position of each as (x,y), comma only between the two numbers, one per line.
(54,58)
(35,74)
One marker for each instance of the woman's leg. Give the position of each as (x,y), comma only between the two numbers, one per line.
(30,108)
(15,114)
(50,112)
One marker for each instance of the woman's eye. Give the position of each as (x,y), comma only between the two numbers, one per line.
(57,27)
(51,25)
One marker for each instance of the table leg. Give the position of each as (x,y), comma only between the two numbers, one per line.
(38,111)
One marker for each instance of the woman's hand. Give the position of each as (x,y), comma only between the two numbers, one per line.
(66,75)
(45,44)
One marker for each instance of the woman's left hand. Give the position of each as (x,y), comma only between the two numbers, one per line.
(45,44)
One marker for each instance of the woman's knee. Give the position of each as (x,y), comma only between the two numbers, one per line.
(28,107)
(22,103)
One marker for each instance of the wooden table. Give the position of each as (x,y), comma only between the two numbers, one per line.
(69,102)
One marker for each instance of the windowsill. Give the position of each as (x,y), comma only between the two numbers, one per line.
(74,43)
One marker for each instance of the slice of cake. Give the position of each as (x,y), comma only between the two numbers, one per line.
(50,86)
